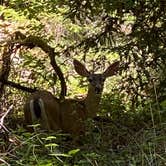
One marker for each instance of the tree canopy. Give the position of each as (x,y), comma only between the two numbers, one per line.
(133,30)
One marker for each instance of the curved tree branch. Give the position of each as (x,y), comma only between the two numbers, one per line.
(34,41)
(17,86)
(6,62)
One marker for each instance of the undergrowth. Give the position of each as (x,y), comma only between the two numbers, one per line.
(122,139)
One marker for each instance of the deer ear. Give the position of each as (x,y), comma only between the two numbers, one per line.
(80,68)
(112,69)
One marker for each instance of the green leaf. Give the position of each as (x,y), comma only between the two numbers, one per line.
(50,138)
(60,155)
(73,152)
(52,145)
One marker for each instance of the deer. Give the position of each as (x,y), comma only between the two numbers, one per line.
(68,115)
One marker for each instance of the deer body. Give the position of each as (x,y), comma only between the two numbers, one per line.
(68,115)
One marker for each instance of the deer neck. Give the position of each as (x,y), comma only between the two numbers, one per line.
(92,102)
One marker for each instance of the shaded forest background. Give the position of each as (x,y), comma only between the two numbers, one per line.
(40,39)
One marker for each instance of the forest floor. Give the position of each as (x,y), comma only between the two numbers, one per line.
(125,141)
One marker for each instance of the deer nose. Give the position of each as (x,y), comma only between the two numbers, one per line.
(98,90)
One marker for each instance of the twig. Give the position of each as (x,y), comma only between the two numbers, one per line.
(3,161)
(2,127)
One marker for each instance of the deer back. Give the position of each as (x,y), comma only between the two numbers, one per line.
(53,114)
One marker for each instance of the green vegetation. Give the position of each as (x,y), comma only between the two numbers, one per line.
(38,42)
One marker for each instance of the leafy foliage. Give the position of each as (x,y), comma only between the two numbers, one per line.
(130,128)
(137,29)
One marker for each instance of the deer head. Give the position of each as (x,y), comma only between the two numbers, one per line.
(96,81)
(68,115)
